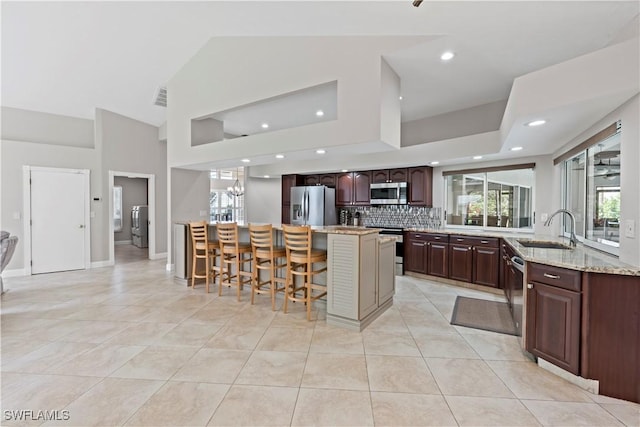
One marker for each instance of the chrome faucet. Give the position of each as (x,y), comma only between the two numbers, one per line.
(573,240)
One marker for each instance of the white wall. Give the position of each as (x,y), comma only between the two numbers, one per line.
(115,143)
(274,66)
(128,145)
(263,200)
(44,128)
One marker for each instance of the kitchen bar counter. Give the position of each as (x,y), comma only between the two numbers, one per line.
(360,275)
(581,258)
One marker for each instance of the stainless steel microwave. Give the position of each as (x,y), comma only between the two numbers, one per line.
(388,193)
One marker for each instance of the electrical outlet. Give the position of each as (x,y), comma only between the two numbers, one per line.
(544,217)
(630,228)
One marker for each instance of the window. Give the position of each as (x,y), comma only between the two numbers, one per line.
(224,206)
(492,197)
(117,208)
(592,190)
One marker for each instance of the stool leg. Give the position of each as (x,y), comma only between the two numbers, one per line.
(254,279)
(272,283)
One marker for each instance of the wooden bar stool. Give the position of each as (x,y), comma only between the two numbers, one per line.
(300,259)
(268,258)
(232,253)
(203,249)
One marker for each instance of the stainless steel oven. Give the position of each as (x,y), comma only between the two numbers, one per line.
(397,233)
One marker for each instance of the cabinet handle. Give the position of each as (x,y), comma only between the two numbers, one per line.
(484,241)
(437,238)
(551,276)
(429,244)
(459,240)
(470,248)
(530,286)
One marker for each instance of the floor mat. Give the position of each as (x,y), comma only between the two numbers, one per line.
(483,314)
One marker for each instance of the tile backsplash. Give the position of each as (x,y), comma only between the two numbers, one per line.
(404,216)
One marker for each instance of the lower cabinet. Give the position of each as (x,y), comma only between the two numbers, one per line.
(553,315)
(438,259)
(415,254)
(461,262)
(486,265)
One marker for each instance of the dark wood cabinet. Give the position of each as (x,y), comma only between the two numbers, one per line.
(328,179)
(389,175)
(611,333)
(352,188)
(460,262)
(415,256)
(420,181)
(553,316)
(438,259)
(288,181)
(486,266)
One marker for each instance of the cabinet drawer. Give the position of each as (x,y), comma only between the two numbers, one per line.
(431,237)
(475,241)
(555,276)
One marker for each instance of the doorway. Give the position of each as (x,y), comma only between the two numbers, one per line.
(127,245)
(57,219)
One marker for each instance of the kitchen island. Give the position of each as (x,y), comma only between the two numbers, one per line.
(360,274)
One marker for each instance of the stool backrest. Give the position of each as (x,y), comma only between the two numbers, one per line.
(297,238)
(228,236)
(198,233)
(261,236)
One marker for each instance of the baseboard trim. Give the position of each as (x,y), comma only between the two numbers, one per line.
(16,272)
(162,255)
(170,267)
(123,242)
(98,264)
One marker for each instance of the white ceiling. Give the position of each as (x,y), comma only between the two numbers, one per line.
(71,57)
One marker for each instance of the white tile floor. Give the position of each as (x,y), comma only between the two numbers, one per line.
(129,345)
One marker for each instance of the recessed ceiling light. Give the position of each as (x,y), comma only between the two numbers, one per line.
(400,97)
(320,151)
(536,123)
(435,162)
(477,157)
(319,113)
(447,56)
(245,160)
(279,156)
(266,176)
(345,170)
(265,125)
(516,148)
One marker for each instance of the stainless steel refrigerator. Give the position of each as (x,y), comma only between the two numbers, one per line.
(313,205)
(140,226)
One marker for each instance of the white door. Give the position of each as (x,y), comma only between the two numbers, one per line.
(58,204)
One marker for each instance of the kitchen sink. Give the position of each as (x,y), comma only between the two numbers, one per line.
(544,244)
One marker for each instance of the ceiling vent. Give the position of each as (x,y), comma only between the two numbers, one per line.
(161,97)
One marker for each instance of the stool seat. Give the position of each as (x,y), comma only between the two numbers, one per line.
(317,255)
(277,251)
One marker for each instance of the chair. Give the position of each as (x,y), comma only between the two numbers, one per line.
(8,244)
(232,253)
(266,257)
(203,249)
(300,260)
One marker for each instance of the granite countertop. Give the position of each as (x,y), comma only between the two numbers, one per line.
(582,258)
(328,229)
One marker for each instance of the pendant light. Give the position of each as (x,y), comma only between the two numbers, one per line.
(236,190)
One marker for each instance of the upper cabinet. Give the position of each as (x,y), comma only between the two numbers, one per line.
(352,188)
(328,179)
(288,181)
(420,181)
(389,175)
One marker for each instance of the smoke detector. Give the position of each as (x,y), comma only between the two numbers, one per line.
(161,97)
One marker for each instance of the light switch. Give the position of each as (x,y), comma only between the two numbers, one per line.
(630,228)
